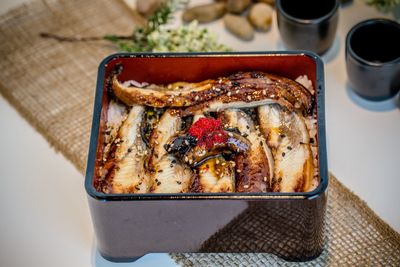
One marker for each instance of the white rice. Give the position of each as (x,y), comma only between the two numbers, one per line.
(303,80)
(135,84)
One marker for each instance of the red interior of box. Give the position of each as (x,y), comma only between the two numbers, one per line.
(163,70)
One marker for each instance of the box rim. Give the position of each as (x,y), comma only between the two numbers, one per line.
(322,152)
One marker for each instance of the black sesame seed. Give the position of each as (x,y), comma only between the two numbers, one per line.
(178,182)
(283,154)
(311,140)
(289,147)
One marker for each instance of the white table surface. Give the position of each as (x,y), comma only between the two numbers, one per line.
(45,217)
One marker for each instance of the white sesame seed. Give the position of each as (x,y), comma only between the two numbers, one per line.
(229,93)
(249,97)
(246,186)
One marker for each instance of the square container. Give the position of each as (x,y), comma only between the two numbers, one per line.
(127,226)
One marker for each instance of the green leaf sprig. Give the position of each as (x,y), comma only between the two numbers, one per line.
(383,5)
(156,37)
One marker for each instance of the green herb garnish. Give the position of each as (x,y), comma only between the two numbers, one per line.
(383,5)
(155,36)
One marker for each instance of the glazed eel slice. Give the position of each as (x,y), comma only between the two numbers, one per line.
(254,169)
(252,89)
(214,174)
(129,151)
(289,139)
(167,173)
(116,114)
(243,89)
(179,94)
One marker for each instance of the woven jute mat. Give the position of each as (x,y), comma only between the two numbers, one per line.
(52,85)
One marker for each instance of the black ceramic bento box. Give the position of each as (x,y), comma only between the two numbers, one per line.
(128,226)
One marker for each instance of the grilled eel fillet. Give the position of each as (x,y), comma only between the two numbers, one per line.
(116,114)
(179,94)
(243,89)
(168,174)
(289,139)
(215,174)
(128,174)
(254,169)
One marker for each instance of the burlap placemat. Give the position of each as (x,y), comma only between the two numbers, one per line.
(52,85)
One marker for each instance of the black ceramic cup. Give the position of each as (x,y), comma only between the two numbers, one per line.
(307,24)
(373,58)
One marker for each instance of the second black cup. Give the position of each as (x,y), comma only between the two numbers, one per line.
(308,24)
(373,58)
